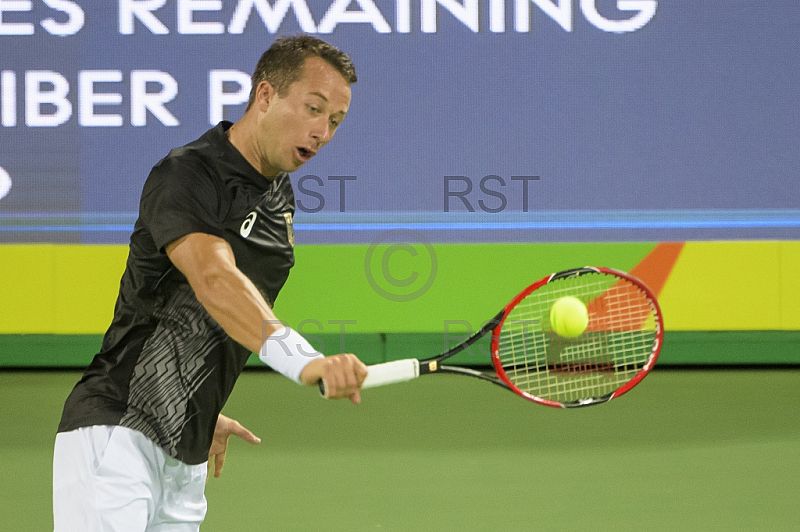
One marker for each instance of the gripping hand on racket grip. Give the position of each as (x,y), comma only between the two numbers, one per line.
(341,376)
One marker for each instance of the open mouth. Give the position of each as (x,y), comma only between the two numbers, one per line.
(304,153)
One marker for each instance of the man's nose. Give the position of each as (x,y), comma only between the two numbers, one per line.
(321,132)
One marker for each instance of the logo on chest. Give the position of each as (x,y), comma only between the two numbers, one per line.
(248,224)
(289,227)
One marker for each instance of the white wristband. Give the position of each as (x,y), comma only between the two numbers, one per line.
(287,352)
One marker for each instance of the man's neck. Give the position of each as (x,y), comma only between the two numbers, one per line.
(241,136)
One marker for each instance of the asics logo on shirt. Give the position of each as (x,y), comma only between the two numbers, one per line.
(248,224)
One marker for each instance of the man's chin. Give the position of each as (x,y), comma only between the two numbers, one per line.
(287,168)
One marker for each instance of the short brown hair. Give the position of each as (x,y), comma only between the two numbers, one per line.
(282,64)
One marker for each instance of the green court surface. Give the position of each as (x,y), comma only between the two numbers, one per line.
(685,450)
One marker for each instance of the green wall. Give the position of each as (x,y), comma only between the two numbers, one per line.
(57,300)
(680,347)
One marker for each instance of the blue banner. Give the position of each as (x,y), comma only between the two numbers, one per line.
(472,120)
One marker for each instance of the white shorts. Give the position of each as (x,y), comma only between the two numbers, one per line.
(108,478)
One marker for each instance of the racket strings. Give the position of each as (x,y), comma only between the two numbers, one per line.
(616,345)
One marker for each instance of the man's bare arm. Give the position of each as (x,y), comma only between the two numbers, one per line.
(238,307)
(227,294)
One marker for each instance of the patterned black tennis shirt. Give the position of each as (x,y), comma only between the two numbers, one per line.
(166,368)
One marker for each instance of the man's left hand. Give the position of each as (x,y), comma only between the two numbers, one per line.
(219,445)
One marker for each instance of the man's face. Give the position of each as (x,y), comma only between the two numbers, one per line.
(293,127)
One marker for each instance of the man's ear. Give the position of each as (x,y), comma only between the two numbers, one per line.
(265,92)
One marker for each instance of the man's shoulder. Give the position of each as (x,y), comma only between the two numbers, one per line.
(193,161)
(203,150)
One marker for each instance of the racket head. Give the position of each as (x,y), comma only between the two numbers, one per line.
(617,350)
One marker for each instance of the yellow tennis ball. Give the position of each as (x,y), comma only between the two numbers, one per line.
(569,317)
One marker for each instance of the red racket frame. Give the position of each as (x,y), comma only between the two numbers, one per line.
(659,340)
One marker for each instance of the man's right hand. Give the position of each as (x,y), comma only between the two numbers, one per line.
(343,376)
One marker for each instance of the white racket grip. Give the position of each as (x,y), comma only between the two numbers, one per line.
(391,372)
(386,373)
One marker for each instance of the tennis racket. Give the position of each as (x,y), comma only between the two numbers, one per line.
(613,354)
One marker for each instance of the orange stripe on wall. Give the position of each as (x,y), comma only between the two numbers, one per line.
(655,268)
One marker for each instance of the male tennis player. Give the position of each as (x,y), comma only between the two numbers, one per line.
(210,251)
